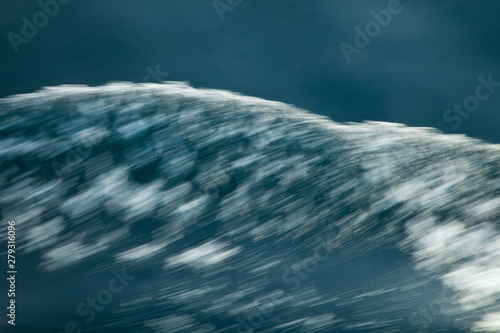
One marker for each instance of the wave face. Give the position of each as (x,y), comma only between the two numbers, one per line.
(164,208)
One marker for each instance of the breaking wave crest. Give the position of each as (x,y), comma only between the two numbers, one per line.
(218,203)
